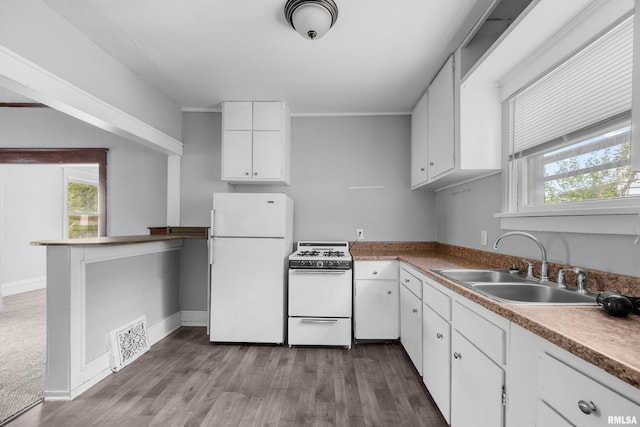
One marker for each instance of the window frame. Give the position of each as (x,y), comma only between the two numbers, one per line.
(605,217)
(66,156)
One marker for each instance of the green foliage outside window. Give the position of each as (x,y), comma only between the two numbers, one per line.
(82,206)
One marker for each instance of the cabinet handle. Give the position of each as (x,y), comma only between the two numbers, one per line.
(421,169)
(407,280)
(388,292)
(415,310)
(430,163)
(587,408)
(439,335)
(457,355)
(375,272)
(246,173)
(255,174)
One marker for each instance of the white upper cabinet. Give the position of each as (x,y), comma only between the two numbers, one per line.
(419,141)
(256,146)
(460,142)
(441,145)
(237,115)
(267,116)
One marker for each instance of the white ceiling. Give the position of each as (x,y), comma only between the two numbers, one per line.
(378,58)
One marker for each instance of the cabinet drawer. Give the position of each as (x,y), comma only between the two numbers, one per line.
(320,331)
(439,302)
(565,389)
(376,270)
(488,337)
(411,282)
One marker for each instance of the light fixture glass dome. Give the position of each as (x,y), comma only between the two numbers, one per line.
(311,18)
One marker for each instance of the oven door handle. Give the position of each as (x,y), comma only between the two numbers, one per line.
(307,320)
(318,271)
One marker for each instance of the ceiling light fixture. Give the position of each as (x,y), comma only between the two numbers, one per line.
(311,18)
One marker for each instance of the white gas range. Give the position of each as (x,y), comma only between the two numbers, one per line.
(320,294)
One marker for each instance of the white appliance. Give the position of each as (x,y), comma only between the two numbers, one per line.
(320,294)
(251,237)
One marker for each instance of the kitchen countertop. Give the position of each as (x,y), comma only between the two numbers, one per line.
(111,240)
(611,343)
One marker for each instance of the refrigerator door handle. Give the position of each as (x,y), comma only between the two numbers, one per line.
(212,222)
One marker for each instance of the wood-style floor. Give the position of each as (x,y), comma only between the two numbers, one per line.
(186,381)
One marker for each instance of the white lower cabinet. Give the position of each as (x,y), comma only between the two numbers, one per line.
(377,310)
(476,386)
(548,386)
(411,326)
(436,356)
(577,397)
(376,300)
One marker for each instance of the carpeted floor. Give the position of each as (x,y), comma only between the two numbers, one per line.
(23,340)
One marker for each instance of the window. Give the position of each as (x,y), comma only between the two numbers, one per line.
(75,156)
(82,213)
(569,132)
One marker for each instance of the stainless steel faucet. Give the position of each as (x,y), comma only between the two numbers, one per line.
(581,279)
(544,268)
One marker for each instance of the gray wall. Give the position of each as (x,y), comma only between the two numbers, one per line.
(328,155)
(57,46)
(122,290)
(31,207)
(465,210)
(136,176)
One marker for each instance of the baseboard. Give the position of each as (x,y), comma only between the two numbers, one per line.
(195,318)
(100,367)
(20,286)
(164,327)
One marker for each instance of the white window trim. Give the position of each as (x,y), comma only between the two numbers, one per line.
(620,220)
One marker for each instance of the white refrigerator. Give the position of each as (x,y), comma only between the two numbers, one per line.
(251,238)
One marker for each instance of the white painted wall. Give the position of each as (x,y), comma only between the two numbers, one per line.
(465,210)
(136,176)
(329,155)
(31,29)
(31,206)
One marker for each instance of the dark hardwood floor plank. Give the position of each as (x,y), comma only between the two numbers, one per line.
(185,380)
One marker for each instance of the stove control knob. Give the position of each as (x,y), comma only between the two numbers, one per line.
(319,264)
(330,263)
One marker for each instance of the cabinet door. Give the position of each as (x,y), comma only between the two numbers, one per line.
(419,140)
(236,155)
(377,306)
(436,356)
(237,115)
(411,326)
(267,155)
(441,124)
(476,386)
(267,116)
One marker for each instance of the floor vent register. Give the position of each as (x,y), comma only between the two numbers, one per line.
(128,342)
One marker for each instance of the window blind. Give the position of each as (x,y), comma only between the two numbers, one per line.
(591,86)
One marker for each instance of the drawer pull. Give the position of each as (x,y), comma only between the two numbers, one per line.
(439,335)
(407,280)
(415,310)
(319,320)
(375,272)
(587,407)
(457,355)
(388,292)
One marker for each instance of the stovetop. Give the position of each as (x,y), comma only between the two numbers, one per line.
(321,255)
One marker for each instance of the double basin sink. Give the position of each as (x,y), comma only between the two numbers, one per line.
(514,288)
